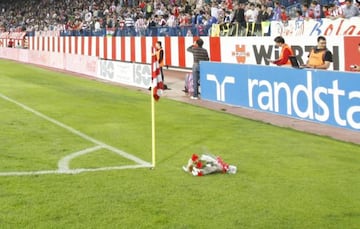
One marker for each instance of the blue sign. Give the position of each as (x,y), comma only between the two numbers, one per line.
(321,96)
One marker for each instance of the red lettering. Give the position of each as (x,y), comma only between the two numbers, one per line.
(350,30)
(327,32)
(338,30)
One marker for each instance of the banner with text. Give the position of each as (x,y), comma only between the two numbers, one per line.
(321,96)
(138,75)
(325,27)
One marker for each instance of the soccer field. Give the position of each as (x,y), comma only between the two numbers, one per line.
(75,152)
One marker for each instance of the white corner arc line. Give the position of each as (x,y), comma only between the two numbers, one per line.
(76,132)
(63,164)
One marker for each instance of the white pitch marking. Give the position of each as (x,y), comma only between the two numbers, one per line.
(80,170)
(76,132)
(70,171)
(63,164)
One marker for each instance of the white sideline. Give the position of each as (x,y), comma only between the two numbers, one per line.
(64,162)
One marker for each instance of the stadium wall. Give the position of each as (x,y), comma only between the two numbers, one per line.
(243,50)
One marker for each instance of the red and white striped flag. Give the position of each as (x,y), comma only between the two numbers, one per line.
(157,83)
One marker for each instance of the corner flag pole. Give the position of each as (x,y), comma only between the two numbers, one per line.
(156,91)
(152,111)
(152,128)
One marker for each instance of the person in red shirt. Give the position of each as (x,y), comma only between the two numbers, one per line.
(142,5)
(283,16)
(326,12)
(286,51)
(10,43)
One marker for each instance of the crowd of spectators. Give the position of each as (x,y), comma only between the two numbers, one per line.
(156,17)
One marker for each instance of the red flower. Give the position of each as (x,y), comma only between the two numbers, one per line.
(199,165)
(200,174)
(194,157)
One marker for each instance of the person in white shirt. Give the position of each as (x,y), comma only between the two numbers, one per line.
(251,16)
(214,11)
(97,26)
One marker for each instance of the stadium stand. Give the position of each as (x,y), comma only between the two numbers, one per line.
(152,18)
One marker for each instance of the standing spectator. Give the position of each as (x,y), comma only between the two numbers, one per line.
(210,20)
(326,12)
(200,54)
(263,21)
(270,12)
(152,23)
(320,57)
(160,59)
(129,25)
(187,8)
(121,26)
(142,5)
(171,23)
(184,22)
(140,26)
(239,19)
(162,28)
(305,11)
(315,8)
(335,11)
(286,51)
(251,17)
(283,16)
(262,16)
(148,10)
(214,10)
(349,10)
(176,11)
(276,11)
(229,4)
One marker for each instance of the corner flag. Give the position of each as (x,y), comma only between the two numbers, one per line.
(157,87)
(157,83)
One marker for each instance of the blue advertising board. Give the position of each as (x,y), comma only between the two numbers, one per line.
(327,97)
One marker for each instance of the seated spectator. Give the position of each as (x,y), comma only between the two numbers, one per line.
(298,15)
(78,17)
(326,12)
(315,10)
(335,11)
(350,10)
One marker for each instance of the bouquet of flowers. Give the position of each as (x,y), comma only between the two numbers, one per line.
(207,164)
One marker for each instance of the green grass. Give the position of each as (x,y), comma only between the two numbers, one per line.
(285,179)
